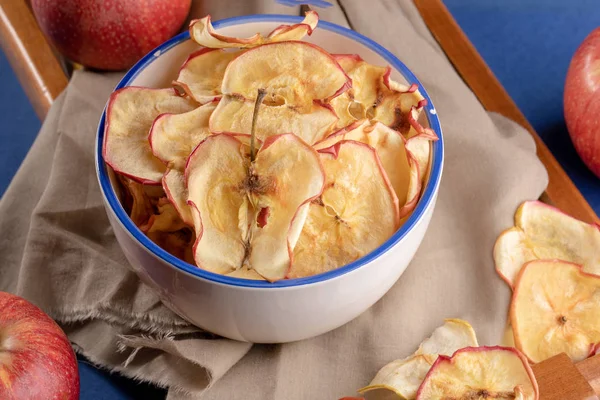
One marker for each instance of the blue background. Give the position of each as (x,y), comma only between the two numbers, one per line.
(527,43)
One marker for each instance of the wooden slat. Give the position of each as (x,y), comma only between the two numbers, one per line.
(30,55)
(561,191)
(559,379)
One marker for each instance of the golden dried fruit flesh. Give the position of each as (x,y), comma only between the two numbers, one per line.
(174,185)
(201,75)
(356,213)
(174,136)
(129,116)
(420,147)
(403,377)
(296,72)
(203,33)
(235,115)
(480,373)
(555,308)
(544,232)
(215,176)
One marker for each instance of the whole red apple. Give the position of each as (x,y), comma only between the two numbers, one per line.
(582,101)
(36,358)
(109,34)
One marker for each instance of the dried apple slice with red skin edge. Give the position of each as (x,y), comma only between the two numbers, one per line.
(390,147)
(356,213)
(175,188)
(476,373)
(403,377)
(129,115)
(203,33)
(555,308)
(235,115)
(246,273)
(282,69)
(544,232)
(201,75)
(290,176)
(173,137)
(215,174)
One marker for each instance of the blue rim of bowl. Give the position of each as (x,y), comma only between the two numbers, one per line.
(425,201)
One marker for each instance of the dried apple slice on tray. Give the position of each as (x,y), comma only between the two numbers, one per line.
(555,308)
(399,165)
(480,373)
(203,33)
(249,213)
(403,377)
(129,115)
(544,232)
(356,213)
(296,72)
(235,115)
(201,74)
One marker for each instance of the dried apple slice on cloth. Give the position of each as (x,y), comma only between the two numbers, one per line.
(403,377)
(235,115)
(356,213)
(480,373)
(296,72)
(555,308)
(249,214)
(201,74)
(215,174)
(174,136)
(129,115)
(389,145)
(203,33)
(284,178)
(544,232)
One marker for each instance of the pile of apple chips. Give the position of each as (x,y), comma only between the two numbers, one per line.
(269,158)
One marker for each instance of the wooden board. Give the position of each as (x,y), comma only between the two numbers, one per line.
(561,191)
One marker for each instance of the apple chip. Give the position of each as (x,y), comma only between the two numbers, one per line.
(129,115)
(203,33)
(544,232)
(246,273)
(174,136)
(403,377)
(201,74)
(555,308)
(480,373)
(174,184)
(215,175)
(356,213)
(296,72)
(420,148)
(390,148)
(235,115)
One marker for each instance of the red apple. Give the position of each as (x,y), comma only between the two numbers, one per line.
(582,101)
(36,358)
(109,34)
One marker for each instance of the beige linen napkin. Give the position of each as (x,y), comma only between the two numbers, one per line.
(58,250)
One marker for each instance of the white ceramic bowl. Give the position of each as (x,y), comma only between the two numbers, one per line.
(287,310)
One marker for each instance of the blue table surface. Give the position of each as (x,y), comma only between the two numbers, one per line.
(527,43)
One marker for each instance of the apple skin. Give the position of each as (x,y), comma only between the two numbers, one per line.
(36,358)
(109,34)
(582,101)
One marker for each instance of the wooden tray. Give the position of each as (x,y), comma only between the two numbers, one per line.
(41,74)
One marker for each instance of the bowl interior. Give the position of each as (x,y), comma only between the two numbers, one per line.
(161,66)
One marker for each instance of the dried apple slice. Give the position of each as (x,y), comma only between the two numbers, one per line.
(215,175)
(203,33)
(174,184)
(174,136)
(284,178)
(420,147)
(544,232)
(480,373)
(356,213)
(398,165)
(129,116)
(296,72)
(403,377)
(201,74)
(555,308)
(235,115)
(246,273)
